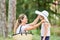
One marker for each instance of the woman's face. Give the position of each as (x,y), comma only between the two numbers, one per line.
(25,20)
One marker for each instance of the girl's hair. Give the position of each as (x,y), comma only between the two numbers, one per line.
(18,22)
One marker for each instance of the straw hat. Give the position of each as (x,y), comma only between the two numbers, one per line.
(43,13)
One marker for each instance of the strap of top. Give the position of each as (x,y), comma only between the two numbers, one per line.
(20,30)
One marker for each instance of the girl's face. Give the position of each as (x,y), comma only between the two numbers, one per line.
(25,20)
(41,17)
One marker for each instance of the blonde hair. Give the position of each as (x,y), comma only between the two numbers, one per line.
(18,22)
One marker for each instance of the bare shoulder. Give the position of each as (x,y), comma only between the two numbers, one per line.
(46,23)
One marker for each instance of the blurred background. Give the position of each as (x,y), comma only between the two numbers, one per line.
(11,9)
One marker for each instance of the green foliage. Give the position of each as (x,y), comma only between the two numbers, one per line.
(7,9)
(55,31)
(29,6)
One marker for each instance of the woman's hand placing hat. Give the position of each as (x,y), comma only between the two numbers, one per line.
(37,12)
(42,21)
(38,16)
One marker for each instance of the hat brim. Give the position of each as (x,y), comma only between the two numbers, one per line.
(39,13)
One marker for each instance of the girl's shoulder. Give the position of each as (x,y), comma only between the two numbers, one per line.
(46,23)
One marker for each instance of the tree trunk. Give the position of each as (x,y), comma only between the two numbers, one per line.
(11,14)
(0,20)
(3,18)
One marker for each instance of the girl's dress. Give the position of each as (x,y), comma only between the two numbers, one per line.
(42,32)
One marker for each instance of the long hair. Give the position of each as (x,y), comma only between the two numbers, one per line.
(18,22)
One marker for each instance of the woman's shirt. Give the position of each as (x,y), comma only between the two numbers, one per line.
(43,30)
(22,28)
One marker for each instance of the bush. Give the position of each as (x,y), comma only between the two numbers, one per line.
(58,33)
(55,31)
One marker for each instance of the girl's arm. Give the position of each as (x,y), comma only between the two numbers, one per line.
(35,21)
(45,31)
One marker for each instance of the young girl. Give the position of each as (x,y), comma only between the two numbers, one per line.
(45,27)
(22,23)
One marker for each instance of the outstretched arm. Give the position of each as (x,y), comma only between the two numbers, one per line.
(34,26)
(35,21)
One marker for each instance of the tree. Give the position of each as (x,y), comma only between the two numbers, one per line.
(0,20)
(3,18)
(11,14)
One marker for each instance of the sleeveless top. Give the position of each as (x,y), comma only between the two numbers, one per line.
(22,28)
(43,29)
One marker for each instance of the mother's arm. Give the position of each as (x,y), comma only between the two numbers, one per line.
(33,26)
(35,21)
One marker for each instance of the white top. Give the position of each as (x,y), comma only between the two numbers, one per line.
(43,29)
(22,28)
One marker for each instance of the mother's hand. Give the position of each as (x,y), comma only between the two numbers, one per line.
(42,21)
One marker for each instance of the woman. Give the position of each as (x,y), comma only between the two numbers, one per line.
(45,25)
(22,23)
